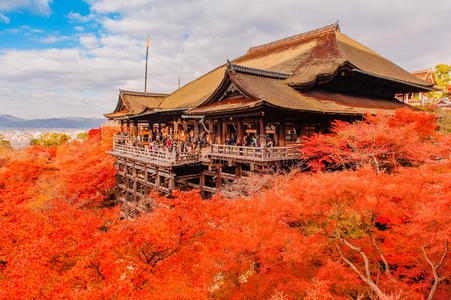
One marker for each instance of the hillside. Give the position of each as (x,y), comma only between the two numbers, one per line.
(14,122)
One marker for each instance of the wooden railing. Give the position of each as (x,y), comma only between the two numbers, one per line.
(215,151)
(255,153)
(161,156)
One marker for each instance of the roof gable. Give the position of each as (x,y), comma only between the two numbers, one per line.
(246,88)
(307,56)
(133,102)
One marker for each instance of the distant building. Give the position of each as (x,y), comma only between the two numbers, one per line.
(421,97)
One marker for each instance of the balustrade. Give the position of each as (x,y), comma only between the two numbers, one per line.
(256,154)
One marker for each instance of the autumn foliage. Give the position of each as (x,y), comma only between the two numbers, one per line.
(377,227)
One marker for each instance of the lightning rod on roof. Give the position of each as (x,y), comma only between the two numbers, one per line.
(147,55)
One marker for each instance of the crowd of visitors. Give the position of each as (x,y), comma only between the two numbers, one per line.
(185,142)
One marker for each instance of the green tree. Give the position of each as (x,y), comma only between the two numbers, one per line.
(51,139)
(5,146)
(442,77)
(82,136)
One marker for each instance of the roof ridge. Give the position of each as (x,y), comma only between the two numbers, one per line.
(334,27)
(255,71)
(136,93)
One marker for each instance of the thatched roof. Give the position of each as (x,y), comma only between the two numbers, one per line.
(132,103)
(306,56)
(260,87)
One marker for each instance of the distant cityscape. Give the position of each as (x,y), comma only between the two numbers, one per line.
(21,137)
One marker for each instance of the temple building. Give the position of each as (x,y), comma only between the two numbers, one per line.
(250,114)
(420,97)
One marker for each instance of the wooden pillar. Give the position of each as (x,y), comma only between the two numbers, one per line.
(135,124)
(240,136)
(196,128)
(218,133)
(146,180)
(128,126)
(127,181)
(301,129)
(157,179)
(238,170)
(122,126)
(171,183)
(135,183)
(211,131)
(224,132)
(262,132)
(282,139)
(202,184)
(277,136)
(176,128)
(218,175)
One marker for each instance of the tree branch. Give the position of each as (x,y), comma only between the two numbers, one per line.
(386,265)
(366,279)
(437,278)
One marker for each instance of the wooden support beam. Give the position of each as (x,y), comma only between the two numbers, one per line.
(263,137)
(176,129)
(171,183)
(223,175)
(240,135)
(146,179)
(186,177)
(135,128)
(211,131)
(127,182)
(224,132)
(218,175)
(202,184)
(219,133)
(282,139)
(157,179)
(238,170)
(135,183)
(262,129)
(196,128)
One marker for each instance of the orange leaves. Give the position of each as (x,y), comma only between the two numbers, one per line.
(58,240)
(385,142)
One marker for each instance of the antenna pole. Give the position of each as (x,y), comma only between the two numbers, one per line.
(147,55)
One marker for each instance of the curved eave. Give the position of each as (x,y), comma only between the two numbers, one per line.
(413,85)
(158,111)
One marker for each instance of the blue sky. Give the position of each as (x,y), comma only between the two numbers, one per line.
(70,57)
(28,27)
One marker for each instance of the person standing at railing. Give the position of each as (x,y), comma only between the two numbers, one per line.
(255,141)
(269,143)
(174,151)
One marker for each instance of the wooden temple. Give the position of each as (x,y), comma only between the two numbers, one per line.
(250,114)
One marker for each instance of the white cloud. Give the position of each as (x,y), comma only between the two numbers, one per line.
(89,41)
(76,17)
(51,39)
(4,19)
(40,7)
(79,28)
(192,37)
(24,29)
